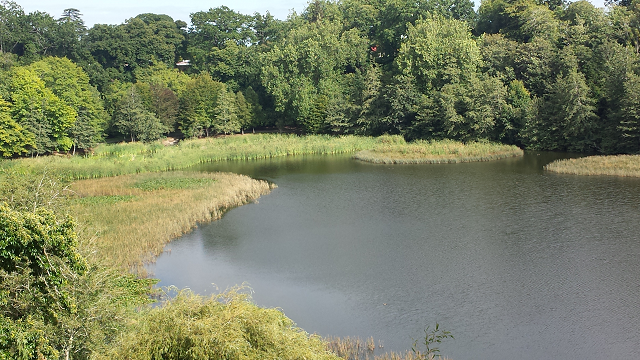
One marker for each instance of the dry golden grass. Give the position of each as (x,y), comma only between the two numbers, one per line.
(616,165)
(357,349)
(393,150)
(129,226)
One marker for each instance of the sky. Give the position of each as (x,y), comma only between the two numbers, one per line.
(117,11)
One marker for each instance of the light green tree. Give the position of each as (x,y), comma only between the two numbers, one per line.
(306,70)
(198,105)
(438,51)
(40,111)
(226,118)
(14,139)
(71,85)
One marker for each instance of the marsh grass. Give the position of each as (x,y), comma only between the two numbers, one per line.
(133,158)
(129,224)
(358,349)
(615,165)
(173,184)
(393,150)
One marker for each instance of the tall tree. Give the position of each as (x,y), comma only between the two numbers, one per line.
(40,111)
(71,84)
(438,51)
(307,68)
(566,118)
(629,114)
(132,118)
(198,105)
(14,139)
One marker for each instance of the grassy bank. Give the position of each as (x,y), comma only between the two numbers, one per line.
(128,219)
(394,150)
(616,165)
(133,158)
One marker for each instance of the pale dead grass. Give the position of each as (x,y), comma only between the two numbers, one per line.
(134,228)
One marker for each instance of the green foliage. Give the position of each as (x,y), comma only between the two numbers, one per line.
(438,51)
(31,188)
(226,118)
(140,42)
(38,259)
(198,105)
(227,326)
(164,76)
(566,117)
(472,112)
(105,199)
(71,85)
(629,114)
(170,183)
(244,111)
(133,119)
(303,73)
(212,29)
(14,139)
(40,111)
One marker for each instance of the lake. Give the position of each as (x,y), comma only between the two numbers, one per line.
(516,262)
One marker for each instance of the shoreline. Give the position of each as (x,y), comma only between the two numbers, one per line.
(129,219)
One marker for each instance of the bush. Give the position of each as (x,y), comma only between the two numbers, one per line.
(224,326)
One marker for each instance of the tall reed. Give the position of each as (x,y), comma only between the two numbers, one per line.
(393,150)
(133,158)
(356,348)
(615,165)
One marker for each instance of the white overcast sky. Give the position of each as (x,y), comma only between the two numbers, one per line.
(117,11)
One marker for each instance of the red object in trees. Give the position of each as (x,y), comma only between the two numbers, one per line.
(374,48)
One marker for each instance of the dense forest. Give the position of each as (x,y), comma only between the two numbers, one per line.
(545,75)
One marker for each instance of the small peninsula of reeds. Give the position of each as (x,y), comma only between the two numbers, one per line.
(394,150)
(131,218)
(616,165)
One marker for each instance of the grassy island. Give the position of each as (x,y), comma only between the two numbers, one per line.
(394,150)
(615,165)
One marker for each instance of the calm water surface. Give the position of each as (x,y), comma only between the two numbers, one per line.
(517,263)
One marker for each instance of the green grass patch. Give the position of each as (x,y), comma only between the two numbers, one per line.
(105,199)
(394,150)
(613,165)
(175,184)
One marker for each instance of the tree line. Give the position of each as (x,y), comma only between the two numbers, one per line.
(540,74)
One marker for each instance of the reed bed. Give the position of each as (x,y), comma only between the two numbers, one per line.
(614,165)
(130,218)
(356,348)
(393,150)
(133,158)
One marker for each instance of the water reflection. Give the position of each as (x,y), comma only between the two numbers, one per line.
(516,262)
